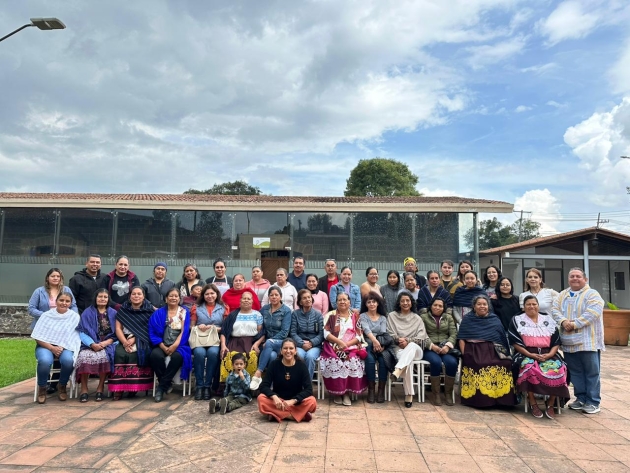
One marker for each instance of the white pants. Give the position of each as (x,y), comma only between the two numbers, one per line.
(405,357)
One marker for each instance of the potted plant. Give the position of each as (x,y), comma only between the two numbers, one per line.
(616,325)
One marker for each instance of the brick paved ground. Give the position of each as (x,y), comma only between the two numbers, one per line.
(139,435)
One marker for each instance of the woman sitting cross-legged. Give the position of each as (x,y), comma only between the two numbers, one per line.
(57,337)
(286,390)
(539,367)
(96,329)
(407,329)
(442,333)
(374,325)
(169,329)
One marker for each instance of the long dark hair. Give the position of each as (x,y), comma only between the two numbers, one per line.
(373,296)
(287,340)
(201,299)
(393,271)
(486,281)
(100,291)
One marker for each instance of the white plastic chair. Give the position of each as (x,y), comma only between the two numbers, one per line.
(73,385)
(417,367)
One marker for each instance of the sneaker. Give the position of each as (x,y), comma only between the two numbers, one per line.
(223,405)
(536,412)
(255,383)
(576,405)
(549,413)
(346,400)
(590,409)
(212,407)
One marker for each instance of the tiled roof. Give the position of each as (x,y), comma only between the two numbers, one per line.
(548,240)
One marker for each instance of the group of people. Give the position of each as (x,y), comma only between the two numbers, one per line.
(243,337)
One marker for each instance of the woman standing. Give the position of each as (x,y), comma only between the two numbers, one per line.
(289,293)
(536,340)
(340,365)
(292,393)
(534,286)
(169,329)
(258,284)
(132,372)
(56,335)
(390,290)
(44,298)
(241,332)
(374,324)
(206,315)
(442,337)
(320,298)
(96,329)
(407,330)
(119,282)
(486,378)
(462,269)
(464,295)
(491,277)
(190,278)
(232,297)
(345,285)
(506,303)
(371,283)
(431,291)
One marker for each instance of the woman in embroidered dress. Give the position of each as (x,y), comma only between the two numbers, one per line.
(56,336)
(536,339)
(96,330)
(486,378)
(534,286)
(241,332)
(132,372)
(341,367)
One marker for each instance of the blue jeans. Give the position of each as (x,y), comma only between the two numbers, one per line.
(211,366)
(269,352)
(45,360)
(584,371)
(370,366)
(310,358)
(450,363)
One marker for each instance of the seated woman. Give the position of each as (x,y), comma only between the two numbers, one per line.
(345,285)
(57,337)
(431,291)
(506,304)
(276,325)
(232,297)
(287,391)
(307,329)
(486,378)
(390,290)
(374,324)
(442,337)
(464,295)
(132,372)
(410,337)
(536,339)
(320,298)
(241,332)
(169,329)
(96,329)
(207,314)
(340,364)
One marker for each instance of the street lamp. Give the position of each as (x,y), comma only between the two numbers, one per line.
(41,23)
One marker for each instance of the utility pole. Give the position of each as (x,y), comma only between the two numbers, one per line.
(520,228)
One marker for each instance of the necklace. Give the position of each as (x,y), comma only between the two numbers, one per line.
(287,375)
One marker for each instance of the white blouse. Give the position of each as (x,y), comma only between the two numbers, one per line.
(545,298)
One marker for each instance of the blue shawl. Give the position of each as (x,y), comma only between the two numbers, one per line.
(425,299)
(463,296)
(157,325)
(89,326)
(488,328)
(137,322)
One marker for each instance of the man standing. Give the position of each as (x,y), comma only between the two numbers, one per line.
(219,279)
(84,283)
(298,277)
(447,280)
(412,267)
(156,287)
(578,312)
(328,281)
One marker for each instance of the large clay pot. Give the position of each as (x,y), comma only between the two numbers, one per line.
(616,327)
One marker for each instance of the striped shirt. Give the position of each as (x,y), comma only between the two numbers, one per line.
(584,308)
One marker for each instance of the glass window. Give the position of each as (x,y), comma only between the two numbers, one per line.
(83,232)
(438,238)
(29,232)
(203,236)
(605,246)
(382,237)
(318,236)
(144,234)
(619,284)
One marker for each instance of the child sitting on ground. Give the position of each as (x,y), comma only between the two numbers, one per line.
(191,300)
(236,392)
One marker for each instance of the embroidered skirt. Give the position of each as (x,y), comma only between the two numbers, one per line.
(547,378)
(127,375)
(239,345)
(92,362)
(342,376)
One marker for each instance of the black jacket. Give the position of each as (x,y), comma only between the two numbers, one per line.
(155,294)
(84,286)
(322,285)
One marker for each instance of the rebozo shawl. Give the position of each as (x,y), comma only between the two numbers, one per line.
(464,296)
(89,326)
(157,325)
(407,326)
(59,329)
(425,299)
(137,322)
(488,328)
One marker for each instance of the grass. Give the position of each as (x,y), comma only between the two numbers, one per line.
(17,360)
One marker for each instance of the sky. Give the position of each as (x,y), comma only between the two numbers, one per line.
(526,102)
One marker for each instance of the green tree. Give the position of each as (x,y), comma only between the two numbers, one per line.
(229,188)
(380,177)
(493,233)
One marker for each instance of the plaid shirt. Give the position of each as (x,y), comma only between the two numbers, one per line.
(236,386)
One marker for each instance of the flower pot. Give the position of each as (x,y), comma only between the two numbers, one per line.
(616,327)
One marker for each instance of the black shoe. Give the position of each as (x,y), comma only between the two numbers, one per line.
(206,394)
(408,404)
(159,394)
(212,406)
(198,394)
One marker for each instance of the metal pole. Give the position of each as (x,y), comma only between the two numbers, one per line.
(16,31)
(476,240)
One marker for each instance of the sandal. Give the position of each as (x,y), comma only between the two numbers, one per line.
(84,397)
(99,396)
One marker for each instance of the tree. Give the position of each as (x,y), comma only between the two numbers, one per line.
(229,188)
(493,233)
(380,177)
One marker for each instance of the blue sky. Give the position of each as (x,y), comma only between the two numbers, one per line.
(522,101)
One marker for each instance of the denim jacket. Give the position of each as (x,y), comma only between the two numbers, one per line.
(38,303)
(276,324)
(355,295)
(203,318)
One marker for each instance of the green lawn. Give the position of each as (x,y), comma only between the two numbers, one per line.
(17,360)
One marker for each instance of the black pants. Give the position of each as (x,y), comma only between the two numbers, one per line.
(165,373)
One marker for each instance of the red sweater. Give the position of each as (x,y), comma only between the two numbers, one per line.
(232,298)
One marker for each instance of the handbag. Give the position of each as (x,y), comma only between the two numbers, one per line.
(385,339)
(199,338)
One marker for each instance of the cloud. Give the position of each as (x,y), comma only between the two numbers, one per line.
(569,21)
(618,73)
(522,108)
(540,69)
(486,55)
(543,207)
(553,103)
